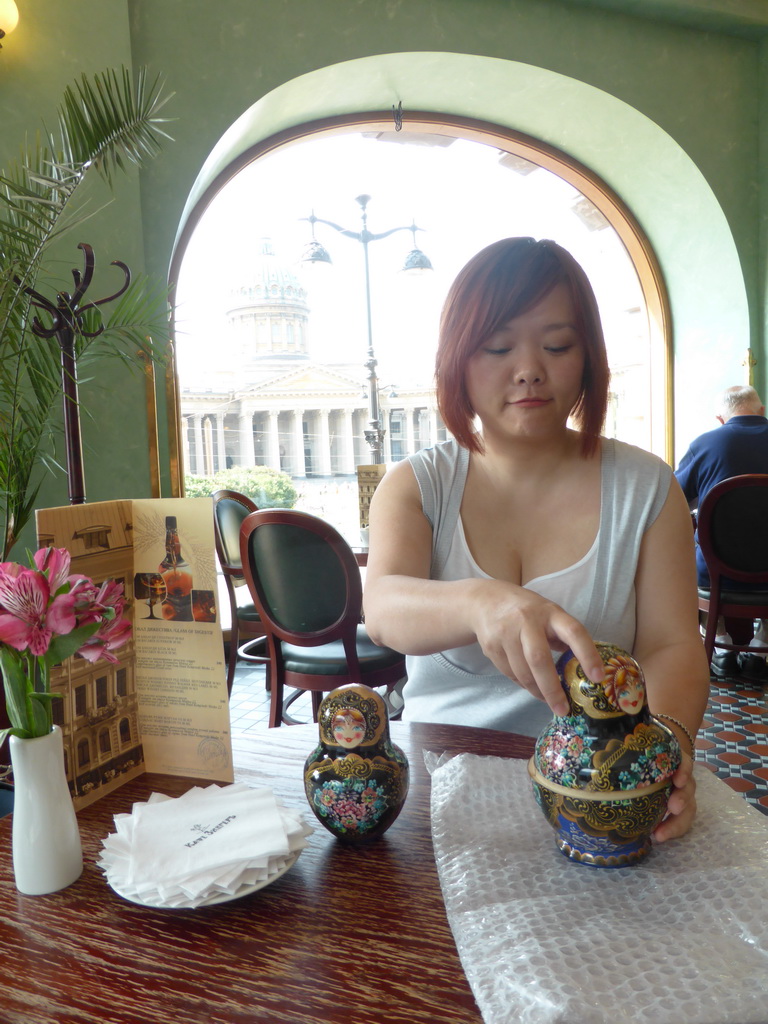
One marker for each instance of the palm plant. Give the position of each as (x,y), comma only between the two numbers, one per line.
(104,124)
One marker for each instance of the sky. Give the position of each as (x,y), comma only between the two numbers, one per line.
(461,195)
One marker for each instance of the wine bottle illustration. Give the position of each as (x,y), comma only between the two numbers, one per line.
(174,569)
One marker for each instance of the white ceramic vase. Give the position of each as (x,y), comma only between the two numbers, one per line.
(47,853)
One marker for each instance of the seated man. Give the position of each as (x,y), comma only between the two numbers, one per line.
(738,446)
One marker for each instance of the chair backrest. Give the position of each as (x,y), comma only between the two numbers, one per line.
(303,577)
(229,510)
(733,529)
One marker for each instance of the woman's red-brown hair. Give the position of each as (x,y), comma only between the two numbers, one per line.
(502,281)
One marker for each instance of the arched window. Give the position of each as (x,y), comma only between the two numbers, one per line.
(466,183)
(511,175)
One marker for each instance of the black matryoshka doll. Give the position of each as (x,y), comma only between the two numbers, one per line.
(356,780)
(602,774)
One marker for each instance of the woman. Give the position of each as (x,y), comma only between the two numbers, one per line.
(525,536)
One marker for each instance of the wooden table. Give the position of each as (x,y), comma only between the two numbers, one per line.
(347,935)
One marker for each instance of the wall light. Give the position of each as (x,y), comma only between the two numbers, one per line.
(9,17)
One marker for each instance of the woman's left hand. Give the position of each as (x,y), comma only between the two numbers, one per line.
(681,809)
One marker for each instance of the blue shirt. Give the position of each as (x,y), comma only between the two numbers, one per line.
(737,447)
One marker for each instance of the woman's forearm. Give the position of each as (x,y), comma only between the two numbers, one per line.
(516,628)
(419,616)
(677,680)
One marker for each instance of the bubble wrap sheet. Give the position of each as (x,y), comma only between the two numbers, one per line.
(681,938)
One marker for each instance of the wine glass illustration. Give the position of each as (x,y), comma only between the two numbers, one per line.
(154,590)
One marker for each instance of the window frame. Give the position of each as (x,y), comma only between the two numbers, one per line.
(505,139)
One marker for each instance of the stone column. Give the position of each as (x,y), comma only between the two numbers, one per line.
(209,462)
(363,451)
(432,425)
(246,455)
(199,450)
(387,448)
(324,443)
(186,454)
(221,448)
(347,461)
(273,440)
(410,442)
(299,466)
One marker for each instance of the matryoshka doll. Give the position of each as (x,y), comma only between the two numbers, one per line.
(602,774)
(356,780)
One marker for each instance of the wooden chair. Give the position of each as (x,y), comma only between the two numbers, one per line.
(733,536)
(306,586)
(229,510)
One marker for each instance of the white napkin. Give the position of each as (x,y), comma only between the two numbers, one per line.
(174,839)
(206,846)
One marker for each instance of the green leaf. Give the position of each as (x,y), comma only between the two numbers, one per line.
(40,715)
(17,688)
(111,121)
(23,734)
(62,647)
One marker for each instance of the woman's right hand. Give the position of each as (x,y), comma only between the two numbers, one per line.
(517,629)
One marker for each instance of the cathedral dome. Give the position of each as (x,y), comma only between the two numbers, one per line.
(269,314)
(271,283)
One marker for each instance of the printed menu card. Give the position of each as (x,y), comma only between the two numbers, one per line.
(163,706)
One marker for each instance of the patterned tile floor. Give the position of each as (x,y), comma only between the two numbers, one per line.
(733,741)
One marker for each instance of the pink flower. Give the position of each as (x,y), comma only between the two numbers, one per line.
(60,616)
(110,592)
(46,613)
(98,604)
(84,595)
(110,637)
(44,602)
(55,562)
(24,598)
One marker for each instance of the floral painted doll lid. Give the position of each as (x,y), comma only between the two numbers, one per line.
(609,740)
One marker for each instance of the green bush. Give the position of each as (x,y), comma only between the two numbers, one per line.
(269,488)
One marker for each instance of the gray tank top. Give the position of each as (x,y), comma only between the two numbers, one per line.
(634,487)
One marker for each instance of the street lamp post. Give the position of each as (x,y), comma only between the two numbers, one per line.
(415,260)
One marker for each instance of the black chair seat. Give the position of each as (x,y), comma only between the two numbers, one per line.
(330,659)
(742,597)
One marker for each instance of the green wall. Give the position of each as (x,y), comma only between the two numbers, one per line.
(52,46)
(699,89)
(695,93)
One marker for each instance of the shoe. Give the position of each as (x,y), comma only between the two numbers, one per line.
(724,665)
(753,668)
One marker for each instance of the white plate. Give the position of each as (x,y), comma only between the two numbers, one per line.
(222,897)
